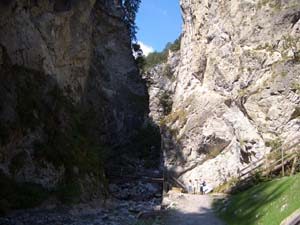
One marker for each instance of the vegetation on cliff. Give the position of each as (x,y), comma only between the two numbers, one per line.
(156,58)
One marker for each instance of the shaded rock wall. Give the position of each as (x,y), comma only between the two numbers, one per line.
(70,92)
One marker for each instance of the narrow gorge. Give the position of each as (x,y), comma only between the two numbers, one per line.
(82,120)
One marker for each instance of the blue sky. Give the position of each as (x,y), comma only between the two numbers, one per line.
(159,22)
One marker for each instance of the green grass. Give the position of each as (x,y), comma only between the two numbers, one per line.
(267,203)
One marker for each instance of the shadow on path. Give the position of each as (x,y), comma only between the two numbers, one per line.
(190,210)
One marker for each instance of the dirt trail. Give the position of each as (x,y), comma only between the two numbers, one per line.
(189,209)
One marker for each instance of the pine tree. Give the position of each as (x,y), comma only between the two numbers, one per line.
(131,7)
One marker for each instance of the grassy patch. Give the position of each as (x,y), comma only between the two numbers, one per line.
(275,5)
(267,203)
(180,115)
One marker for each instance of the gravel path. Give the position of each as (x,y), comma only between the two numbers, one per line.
(186,209)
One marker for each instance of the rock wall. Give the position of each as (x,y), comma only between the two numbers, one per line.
(70,93)
(236,87)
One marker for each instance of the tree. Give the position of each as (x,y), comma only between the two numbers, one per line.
(139,56)
(138,52)
(156,58)
(130,8)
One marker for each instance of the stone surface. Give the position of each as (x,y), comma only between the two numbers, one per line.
(96,213)
(66,68)
(235,89)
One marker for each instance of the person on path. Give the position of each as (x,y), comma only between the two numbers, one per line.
(190,186)
(196,188)
(203,186)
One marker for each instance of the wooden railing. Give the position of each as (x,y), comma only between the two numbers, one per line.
(177,183)
(265,166)
(122,175)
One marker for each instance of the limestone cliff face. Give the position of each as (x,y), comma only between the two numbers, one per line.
(236,87)
(69,88)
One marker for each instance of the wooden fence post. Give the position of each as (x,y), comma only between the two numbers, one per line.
(282,162)
(294,165)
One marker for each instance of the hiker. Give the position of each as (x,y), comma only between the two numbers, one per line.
(202,187)
(190,187)
(196,188)
(199,186)
(206,188)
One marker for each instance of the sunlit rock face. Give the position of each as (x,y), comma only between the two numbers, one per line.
(236,87)
(68,78)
